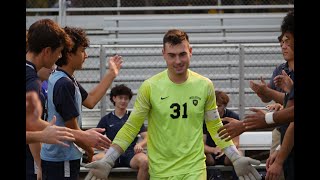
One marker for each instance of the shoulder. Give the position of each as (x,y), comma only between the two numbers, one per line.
(280,67)
(31,74)
(106,117)
(110,114)
(159,76)
(64,82)
(199,77)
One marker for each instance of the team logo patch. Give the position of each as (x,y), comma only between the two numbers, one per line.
(195,102)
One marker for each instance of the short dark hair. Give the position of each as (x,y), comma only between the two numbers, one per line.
(120,90)
(78,37)
(175,36)
(46,33)
(287,24)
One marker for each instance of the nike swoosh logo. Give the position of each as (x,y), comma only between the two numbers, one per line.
(162,98)
(111,125)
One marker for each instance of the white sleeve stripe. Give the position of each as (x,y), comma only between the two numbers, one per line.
(212,115)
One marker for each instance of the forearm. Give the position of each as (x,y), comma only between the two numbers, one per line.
(266,126)
(283,116)
(33,136)
(208,149)
(79,135)
(117,148)
(37,125)
(275,95)
(287,144)
(97,92)
(127,133)
(213,127)
(236,141)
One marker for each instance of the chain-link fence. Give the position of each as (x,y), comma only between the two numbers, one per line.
(230,67)
(137,3)
(162,3)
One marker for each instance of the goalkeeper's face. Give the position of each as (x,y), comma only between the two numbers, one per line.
(177,57)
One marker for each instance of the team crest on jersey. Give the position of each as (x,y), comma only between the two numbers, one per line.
(195,100)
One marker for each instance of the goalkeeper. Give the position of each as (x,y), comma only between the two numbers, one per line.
(175,102)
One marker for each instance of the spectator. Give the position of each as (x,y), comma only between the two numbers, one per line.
(260,119)
(65,99)
(269,92)
(134,156)
(175,107)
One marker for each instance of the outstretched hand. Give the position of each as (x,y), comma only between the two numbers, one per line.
(256,120)
(232,129)
(260,89)
(95,139)
(53,134)
(283,81)
(115,63)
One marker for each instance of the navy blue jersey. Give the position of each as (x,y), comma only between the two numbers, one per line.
(113,124)
(227,113)
(291,94)
(278,71)
(33,83)
(63,97)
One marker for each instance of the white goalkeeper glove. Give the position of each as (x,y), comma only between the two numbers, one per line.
(100,169)
(242,165)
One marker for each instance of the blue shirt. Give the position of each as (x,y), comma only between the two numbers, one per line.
(63,96)
(278,71)
(65,102)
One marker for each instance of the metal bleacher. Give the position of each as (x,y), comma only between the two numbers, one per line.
(202,28)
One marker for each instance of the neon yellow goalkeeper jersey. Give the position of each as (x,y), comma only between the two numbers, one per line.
(175,114)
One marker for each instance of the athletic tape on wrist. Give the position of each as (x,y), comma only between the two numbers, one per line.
(112,153)
(269,118)
(232,153)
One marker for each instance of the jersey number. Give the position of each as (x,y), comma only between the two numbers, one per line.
(176,110)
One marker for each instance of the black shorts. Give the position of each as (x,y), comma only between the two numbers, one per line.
(220,160)
(30,171)
(124,159)
(57,170)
